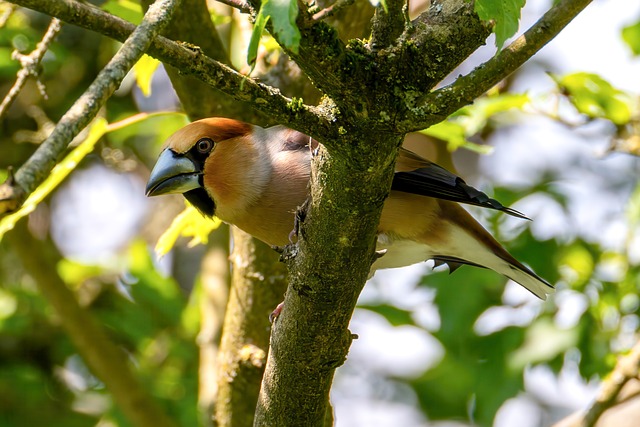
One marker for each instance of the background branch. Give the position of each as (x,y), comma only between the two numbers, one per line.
(105,360)
(626,369)
(258,285)
(29,65)
(36,169)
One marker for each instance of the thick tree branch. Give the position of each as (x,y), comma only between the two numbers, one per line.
(30,64)
(40,164)
(311,339)
(190,60)
(105,360)
(437,105)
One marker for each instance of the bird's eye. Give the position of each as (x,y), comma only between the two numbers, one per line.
(204,145)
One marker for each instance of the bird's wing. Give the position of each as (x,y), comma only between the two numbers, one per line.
(420,176)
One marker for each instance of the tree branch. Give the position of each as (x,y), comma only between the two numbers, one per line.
(626,369)
(332,10)
(40,164)
(439,104)
(190,60)
(242,6)
(258,285)
(388,24)
(29,65)
(105,360)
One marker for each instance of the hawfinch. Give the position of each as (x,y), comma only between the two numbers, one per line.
(255,178)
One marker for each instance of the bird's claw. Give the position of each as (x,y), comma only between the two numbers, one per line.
(276,312)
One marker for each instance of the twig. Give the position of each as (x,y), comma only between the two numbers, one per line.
(438,104)
(242,6)
(35,170)
(626,369)
(6,13)
(29,65)
(332,10)
(106,360)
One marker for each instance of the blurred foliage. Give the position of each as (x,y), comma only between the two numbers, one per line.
(156,321)
(472,119)
(631,36)
(595,97)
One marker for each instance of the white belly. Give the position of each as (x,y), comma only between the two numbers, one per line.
(400,253)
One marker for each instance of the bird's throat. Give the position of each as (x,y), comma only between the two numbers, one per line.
(201,200)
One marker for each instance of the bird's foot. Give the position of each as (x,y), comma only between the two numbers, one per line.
(276,312)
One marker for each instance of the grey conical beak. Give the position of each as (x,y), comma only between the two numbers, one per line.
(173,173)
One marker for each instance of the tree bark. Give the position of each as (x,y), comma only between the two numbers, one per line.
(257,286)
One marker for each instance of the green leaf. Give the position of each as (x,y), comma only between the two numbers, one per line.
(478,114)
(125,9)
(505,14)
(631,35)
(57,175)
(143,70)
(394,315)
(188,223)
(283,14)
(470,120)
(595,97)
(97,130)
(256,35)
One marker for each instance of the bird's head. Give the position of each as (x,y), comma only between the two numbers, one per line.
(206,161)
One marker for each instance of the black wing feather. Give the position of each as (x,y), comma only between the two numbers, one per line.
(435,181)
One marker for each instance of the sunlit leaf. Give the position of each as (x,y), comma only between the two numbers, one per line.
(504,13)
(256,35)
(455,134)
(477,115)
(57,175)
(580,264)
(143,70)
(595,97)
(74,273)
(96,131)
(472,119)
(631,35)
(125,9)
(283,14)
(189,223)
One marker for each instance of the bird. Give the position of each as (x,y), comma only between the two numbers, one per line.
(255,178)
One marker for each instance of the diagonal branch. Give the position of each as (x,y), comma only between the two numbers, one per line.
(40,164)
(106,360)
(190,60)
(439,104)
(626,369)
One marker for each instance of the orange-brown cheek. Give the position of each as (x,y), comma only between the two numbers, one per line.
(226,176)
